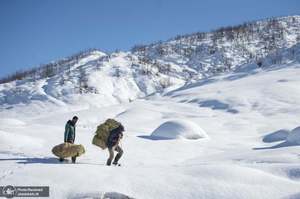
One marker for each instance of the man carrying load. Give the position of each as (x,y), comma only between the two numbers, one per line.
(108,135)
(68,148)
(69,137)
(113,142)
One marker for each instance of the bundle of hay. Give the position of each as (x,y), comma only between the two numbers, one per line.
(66,150)
(103,131)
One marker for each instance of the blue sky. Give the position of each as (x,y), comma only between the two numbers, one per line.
(34,32)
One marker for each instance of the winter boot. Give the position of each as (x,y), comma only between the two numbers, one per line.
(117,158)
(108,162)
(116,164)
(74,159)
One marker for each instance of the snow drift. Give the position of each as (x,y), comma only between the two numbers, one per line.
(176,129)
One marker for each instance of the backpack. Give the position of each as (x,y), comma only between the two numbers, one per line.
(103,131)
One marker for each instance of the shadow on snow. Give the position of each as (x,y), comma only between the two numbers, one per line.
(46,160)
(280,135)
(156,138)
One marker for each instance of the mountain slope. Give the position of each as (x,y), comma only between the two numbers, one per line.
(99,79)
(226,48)
(247,114)
(243,157)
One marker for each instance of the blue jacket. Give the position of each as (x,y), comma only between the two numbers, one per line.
(113,137)
(69,132)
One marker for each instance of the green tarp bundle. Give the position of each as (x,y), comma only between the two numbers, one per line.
(66,150)
(103,131)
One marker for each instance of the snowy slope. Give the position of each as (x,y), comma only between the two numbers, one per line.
(234,134)
(241,113)
(203,54)
(99,79)
(96,80)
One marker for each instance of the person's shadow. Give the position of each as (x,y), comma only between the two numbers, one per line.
(45,160)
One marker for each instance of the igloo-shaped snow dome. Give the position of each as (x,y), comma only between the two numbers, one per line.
(177,129)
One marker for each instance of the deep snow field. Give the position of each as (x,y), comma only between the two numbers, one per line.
(232,139)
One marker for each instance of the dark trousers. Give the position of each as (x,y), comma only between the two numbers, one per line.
(111,154)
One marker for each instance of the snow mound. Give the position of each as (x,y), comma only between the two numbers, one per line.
(176,129)
(294,136)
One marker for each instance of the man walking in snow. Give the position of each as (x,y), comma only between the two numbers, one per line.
(70,134)
(113,142)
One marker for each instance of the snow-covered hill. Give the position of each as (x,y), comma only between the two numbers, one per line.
(99,79)
(223,49)
(96,80)
(249,150)
(194,127)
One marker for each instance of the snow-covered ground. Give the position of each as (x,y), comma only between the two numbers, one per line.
(247,149)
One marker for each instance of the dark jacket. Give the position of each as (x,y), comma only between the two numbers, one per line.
(114,137)
(69,132)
